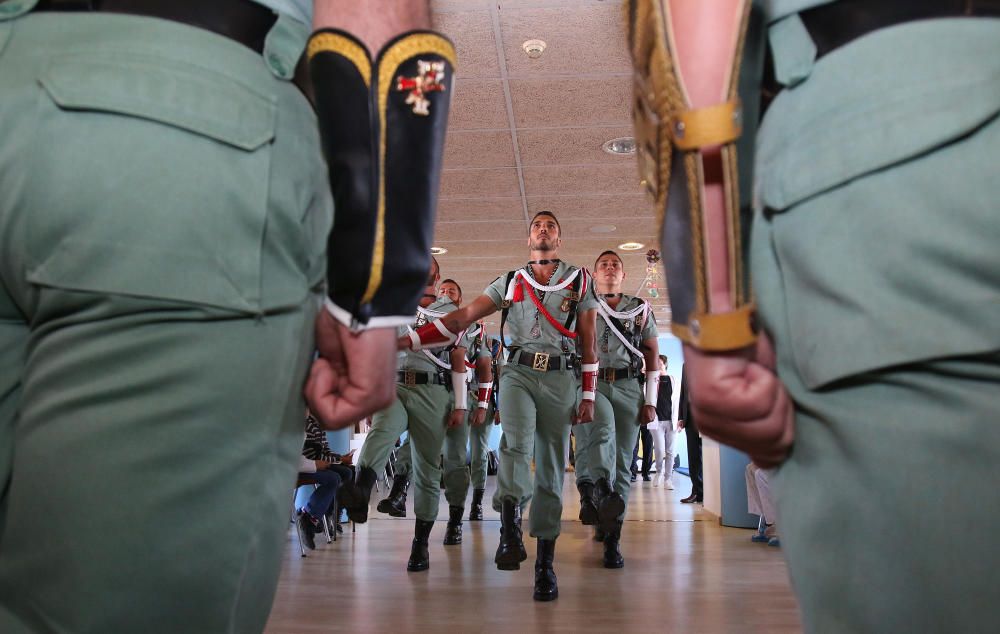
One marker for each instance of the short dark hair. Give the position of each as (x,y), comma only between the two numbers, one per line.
(663,358)
(609,252)
(550,215)
(451,281)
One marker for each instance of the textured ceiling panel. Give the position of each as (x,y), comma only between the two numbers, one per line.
(474,183)
(473,36)
(492,148)
(571,101)
(571,146)
(478,104)
(481,209)
(583,179)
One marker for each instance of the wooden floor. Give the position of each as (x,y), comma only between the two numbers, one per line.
(683,573)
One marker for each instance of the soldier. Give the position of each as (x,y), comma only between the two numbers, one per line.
(626,398)
(551,313)
(423,409)
(165,218)
(456,468)
(889,373)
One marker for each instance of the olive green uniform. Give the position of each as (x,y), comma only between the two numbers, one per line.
(604,447)
(876,270)
(422,410)
(164,209)
(537,406)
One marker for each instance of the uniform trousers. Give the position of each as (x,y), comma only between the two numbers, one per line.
(537,414)
(162,240)
(420,410)
(877,273)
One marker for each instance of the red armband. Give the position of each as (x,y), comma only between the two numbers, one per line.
(432,335)
(485,389)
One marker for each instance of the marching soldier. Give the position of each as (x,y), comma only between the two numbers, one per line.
(423,383)
(550,310)
(626,398)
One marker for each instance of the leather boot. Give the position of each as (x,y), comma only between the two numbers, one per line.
(588,507)
(612,554)
(610,505)
(355,496)
(419,557)
(395,503)
(476,512)
(545,577)
(510,552)
(453,534)
(599,535)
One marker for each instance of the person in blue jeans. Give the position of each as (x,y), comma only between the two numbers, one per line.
(328,470)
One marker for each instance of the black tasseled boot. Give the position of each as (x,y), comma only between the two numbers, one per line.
(545,577)
(588,507)
(612,554)
(510,552)
(476,512)
(610,505)
(395,503)
(419,557)
(453,533)
(355,496)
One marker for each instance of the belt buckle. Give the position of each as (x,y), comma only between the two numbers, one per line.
(540,362)
(409,378)
(609,375)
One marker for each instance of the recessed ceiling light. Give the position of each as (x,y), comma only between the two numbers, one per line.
(438,250)
(622,146)
(631,246)
(534,48)
(603,228)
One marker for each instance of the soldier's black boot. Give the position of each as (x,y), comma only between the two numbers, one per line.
(599,534)
(453,534)
(355,496)
(419,558)
(588,507)
(395,503)
(510,552)
(612,554)
(610,505)
(545,577)
(476,512)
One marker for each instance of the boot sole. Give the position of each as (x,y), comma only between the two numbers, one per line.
(546,597)
(589,515)
(612,507)
(417,567)
(614,565)
(511,563)
(453,542)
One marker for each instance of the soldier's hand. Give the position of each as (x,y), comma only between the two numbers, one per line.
(496,418)
(585,413)
(478,416)
(457,418)
(738,400)
(647,415)
(354,375)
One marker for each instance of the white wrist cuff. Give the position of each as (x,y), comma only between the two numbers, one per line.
(461,392)
(346,318)
(652,387)
(589,396)
(590,367)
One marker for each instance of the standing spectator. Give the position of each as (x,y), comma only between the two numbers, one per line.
(687,423)
(663,428)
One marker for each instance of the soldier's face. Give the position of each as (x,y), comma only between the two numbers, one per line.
(543,234)
(609,271)
(450,291)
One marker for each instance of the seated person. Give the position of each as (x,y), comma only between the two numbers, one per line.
(328,470)
(760,502)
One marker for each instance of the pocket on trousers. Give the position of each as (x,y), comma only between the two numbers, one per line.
(150,178)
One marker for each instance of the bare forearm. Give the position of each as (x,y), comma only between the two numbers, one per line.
(374,22)
(484,370)
(586,341)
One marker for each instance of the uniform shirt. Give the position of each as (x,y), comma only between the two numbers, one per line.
(617,355)
(418,361)
(301,10)
(475,349)
(521,317)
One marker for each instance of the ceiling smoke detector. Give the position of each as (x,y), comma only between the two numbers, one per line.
(631,246)
(603,229)
(438,250)
(622,146)
(534,48)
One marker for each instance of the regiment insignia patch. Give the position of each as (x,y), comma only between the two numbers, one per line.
(430,78)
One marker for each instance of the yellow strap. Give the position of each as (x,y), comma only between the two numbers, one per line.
(720,331)
(704,127)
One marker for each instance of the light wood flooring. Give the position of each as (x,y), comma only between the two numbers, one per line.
(683,573)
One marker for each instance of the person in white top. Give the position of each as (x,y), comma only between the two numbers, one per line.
(663,428)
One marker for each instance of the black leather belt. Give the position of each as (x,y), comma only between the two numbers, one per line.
(838,23)
(415,377)
(610,375)
(541,361)
(243,21)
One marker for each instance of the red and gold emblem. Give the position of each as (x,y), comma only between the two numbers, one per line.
(430,78)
